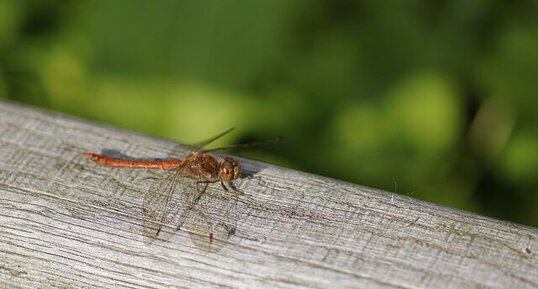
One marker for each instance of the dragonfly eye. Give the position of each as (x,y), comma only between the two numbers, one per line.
(230,169)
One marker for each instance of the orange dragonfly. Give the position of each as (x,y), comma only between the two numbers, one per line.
(166,211)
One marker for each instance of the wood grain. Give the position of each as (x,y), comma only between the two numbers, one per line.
(66,222)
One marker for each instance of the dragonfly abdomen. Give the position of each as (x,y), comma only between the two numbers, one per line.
(170,164)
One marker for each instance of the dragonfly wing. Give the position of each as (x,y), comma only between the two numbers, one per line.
(166,205)
(213,221)
(185,149)
(203,144)
(247,146)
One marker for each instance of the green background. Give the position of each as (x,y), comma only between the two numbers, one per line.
(432,99)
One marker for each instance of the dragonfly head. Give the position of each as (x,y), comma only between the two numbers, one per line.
(230,170)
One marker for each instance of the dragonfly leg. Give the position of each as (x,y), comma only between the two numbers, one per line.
(197,184)
(235,190)
(223,186)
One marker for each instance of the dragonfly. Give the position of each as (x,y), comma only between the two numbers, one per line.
(167,210)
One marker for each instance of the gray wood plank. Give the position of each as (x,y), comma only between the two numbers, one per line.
(67,222)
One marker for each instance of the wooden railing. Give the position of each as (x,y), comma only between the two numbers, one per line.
(68,222)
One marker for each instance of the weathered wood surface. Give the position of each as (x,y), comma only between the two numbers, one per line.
(67,222)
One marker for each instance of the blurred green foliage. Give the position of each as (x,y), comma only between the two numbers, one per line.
(437,100)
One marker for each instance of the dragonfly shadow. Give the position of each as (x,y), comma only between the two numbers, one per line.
(112,153)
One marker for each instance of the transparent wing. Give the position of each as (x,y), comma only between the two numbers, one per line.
(182,150)
(210,140)
(251,145)
(166,205)
(201,145)
(213,221)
